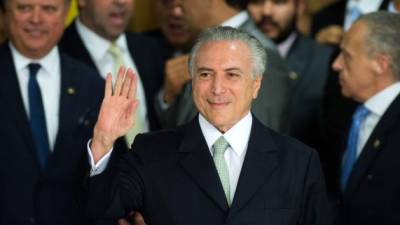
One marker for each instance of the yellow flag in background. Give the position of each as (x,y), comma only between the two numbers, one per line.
(73,11)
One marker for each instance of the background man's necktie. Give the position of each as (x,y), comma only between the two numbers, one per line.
(37,116)
(219,148)
(116,52)
(350,156)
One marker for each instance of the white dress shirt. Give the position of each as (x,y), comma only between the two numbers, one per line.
(238,137)
(98,50)
(377,106)
(364,6)
(49,79)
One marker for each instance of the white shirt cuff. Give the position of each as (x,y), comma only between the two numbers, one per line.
(101,165)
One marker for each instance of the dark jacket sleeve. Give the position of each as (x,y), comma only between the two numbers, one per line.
(117,191)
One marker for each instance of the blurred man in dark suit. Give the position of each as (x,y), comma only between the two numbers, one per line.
(309,63)
(49,105)
(98,38)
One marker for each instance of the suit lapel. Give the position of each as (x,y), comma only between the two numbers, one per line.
(196,160)
(69,104)
(374,144)
(260,162)
(72,44)
(12,98)
(298,51)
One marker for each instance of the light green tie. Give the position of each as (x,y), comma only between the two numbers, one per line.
(116,53)
(219,148)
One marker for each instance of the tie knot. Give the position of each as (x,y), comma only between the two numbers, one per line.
(115,50)
(33,68)
(220,145)
(361,113)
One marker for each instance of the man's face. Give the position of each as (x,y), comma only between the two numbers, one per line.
(275,18)
(35,26)
(357,77)
(182,20)
(107,18)
(223,86)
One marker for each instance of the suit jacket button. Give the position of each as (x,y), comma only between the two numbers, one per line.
(370,176)
(293,75)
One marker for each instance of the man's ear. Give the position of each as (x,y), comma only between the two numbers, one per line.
(381,64)
(257,86)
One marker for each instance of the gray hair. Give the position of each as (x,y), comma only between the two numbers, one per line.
(383,37)
(257,51)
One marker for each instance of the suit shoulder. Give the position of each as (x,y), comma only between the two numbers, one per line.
(141,39)
(80,68)
(288,146)
(158,142)
(316,47)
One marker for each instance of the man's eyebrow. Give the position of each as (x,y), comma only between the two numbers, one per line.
(202,68)
(233,69)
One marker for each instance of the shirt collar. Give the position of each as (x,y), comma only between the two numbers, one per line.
(237,137)
(378,103)
(90,38)
(285,45)
(364,6)
(49,62)
(237,20)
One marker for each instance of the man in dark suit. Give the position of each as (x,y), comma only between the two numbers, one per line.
(49,106)
(95,38)
(223,167)
(370,74)
(309,63)
(181,24)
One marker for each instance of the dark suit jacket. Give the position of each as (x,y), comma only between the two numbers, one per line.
(336,115)
(171,178)
(310,63)
(271,105)
(373,192)
(143,50)
(29,195)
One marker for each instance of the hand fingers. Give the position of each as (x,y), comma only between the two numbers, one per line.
(126,86)
(133,84)
(119,81)
(132,109)
(108,86)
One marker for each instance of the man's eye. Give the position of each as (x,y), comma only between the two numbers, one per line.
(204,74)
(23,8)
(49,9)
(233,75)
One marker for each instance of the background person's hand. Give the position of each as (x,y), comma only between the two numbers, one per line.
(176,75)
(330,35)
